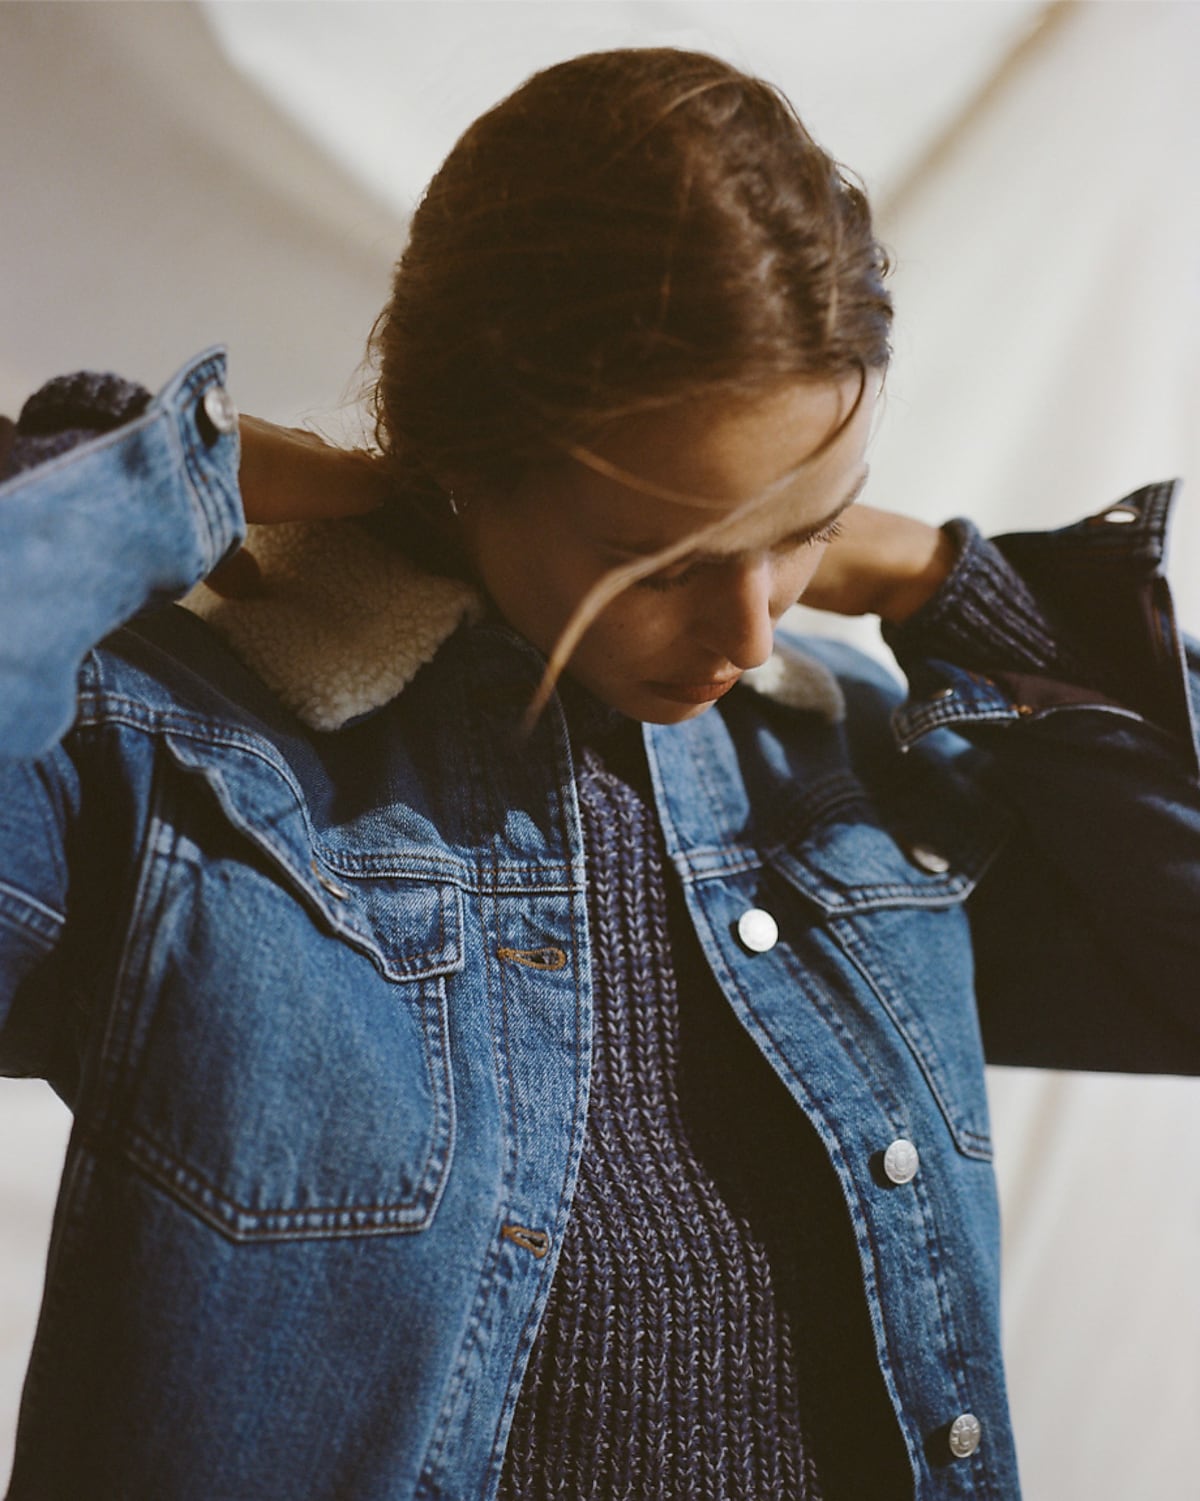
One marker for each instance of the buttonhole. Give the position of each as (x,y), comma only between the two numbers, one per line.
(330,885)
(536,1241)
(534,958)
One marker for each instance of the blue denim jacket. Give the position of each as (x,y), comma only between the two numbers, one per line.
(319,997)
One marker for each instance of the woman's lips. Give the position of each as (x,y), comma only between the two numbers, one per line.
(694,693)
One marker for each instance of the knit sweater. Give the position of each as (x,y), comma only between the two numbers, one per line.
(707,1334)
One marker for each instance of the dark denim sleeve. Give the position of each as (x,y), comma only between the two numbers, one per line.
(1074,616)
(96,525)
(1058,655)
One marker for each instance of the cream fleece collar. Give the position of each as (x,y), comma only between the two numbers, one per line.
(345,622)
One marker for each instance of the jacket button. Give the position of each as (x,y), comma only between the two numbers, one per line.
(219,409)
(1119,516)
(901,1161)
(929,860)
(965,1433)
(757,931)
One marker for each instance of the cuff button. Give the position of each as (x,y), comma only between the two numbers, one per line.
(931,861)
(219,409)
(965,1434)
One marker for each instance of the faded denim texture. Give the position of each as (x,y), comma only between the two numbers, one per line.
(329,1101)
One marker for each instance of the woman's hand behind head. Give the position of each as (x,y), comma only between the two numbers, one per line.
(288,474)
(882,563)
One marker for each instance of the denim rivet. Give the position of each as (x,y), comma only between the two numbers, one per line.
(965,1434)
(757,931)
(219,409)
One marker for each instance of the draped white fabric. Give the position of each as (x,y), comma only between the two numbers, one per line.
(173,176)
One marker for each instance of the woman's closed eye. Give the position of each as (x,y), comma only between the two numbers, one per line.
(671,578)
(684,571)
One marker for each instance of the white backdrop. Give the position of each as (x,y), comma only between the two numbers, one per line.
(172,175)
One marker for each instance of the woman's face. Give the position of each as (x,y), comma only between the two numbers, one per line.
(669,645)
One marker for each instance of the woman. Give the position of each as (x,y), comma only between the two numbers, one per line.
(522,1015)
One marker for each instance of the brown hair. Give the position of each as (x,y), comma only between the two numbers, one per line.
(627,229)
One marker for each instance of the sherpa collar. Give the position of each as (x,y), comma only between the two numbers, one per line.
(346,621)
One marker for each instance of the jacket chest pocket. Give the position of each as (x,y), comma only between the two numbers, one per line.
(892,894)
(286,1059)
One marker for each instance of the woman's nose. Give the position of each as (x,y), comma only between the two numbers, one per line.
(737,621)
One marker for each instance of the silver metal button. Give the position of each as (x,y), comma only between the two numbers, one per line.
(929,860)
(941,695)
(965,1433)
(219,409)
(757,931)
(901,1161)
(1119,516)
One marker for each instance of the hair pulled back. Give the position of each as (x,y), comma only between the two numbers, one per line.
(626,230)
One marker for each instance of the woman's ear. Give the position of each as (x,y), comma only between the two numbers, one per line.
(460,487)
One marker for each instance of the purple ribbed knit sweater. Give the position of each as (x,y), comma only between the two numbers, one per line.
(707,1334)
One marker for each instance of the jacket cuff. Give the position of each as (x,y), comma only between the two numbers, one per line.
(986,618)
(1033,622)
(197,404)
(140,498)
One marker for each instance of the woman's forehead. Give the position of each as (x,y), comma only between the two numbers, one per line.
(721,451)
(758,472)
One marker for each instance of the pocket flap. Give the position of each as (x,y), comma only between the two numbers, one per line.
(923,847)
(412,928)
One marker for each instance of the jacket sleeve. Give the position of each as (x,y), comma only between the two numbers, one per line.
(1058,656)
(94,527)
(94,534)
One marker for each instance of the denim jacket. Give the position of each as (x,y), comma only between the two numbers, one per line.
(307,956)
